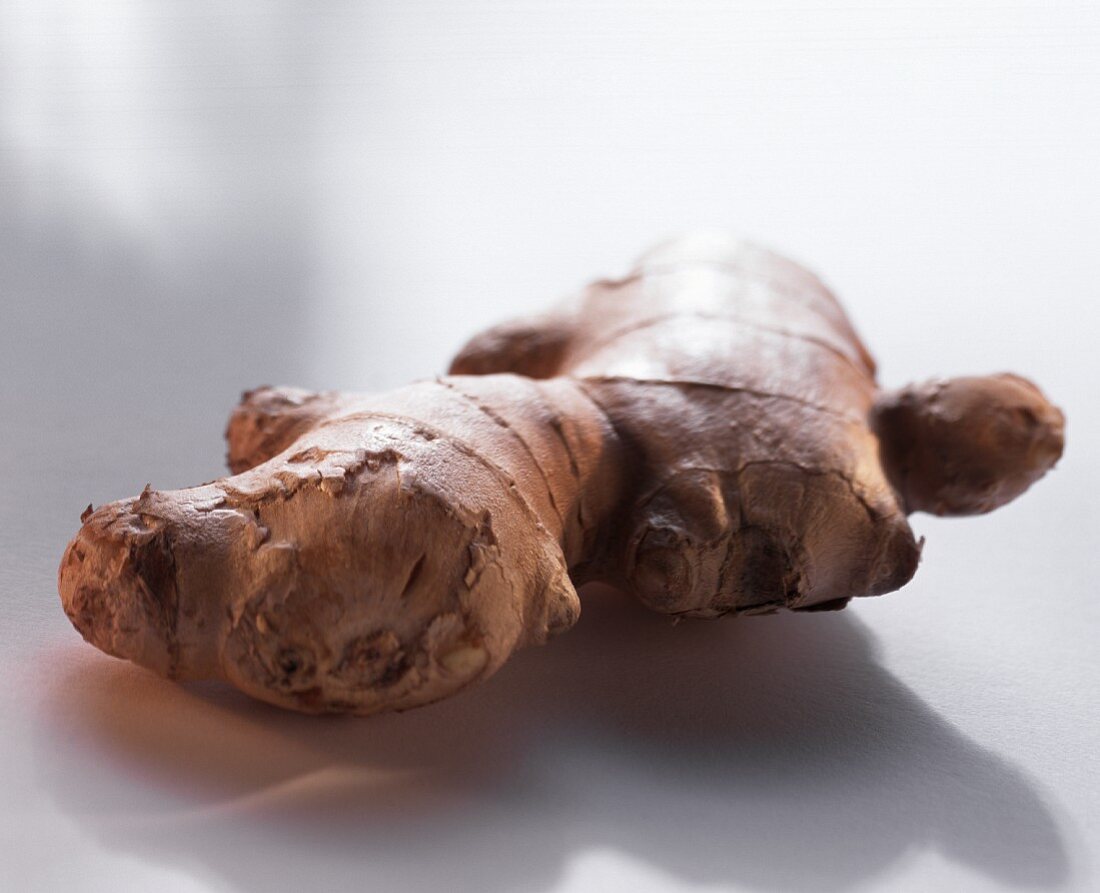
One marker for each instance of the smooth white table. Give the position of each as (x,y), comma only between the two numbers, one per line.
(198,198)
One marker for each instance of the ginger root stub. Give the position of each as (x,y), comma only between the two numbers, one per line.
(706,433)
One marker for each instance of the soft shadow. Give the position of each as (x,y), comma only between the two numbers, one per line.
(774,752)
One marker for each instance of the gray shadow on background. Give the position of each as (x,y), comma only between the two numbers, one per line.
(125,340)
(113,344)
(773,752)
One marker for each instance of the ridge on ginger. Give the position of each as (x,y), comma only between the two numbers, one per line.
(706,433)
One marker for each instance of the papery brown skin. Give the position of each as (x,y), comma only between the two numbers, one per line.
(706,433)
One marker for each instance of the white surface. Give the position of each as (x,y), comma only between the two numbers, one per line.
(199,197)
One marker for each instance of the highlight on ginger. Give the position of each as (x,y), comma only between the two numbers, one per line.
(706,433)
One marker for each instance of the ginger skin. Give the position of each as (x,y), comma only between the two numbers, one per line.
(705,432)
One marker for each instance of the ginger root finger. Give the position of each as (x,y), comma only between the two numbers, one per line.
(965,446)
(706,432)
(268,420)
(380,562)
(533,346)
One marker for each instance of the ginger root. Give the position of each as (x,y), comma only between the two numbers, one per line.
(705,432)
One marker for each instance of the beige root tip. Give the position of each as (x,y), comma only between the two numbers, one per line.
(116,582)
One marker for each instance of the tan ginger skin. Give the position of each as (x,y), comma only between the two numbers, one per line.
(706,433)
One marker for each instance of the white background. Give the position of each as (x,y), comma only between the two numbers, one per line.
(200,197)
